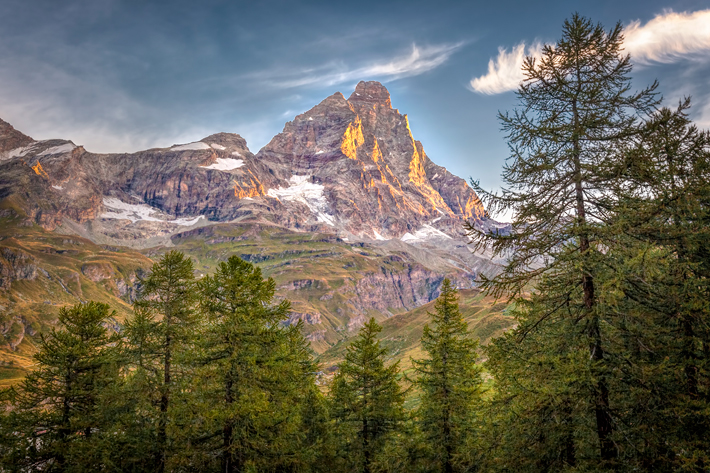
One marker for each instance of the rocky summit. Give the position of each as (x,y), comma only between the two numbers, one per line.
(347,166)
(343,208)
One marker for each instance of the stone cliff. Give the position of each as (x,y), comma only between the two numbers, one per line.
(347,166)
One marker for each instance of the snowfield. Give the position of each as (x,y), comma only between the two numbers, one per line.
(135,212)
(197,145)
(65,148)
(427,232)
(225,164)
(308,193)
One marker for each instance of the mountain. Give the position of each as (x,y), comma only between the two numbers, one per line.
(343,208)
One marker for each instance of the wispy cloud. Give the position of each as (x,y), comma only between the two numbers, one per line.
(418,61)
(669,37)
(505,72)
(666,38)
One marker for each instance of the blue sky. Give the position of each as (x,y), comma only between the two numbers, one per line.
(127,75)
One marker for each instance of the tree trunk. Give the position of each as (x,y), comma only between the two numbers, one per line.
(366,446)
(569,454)
(601,396)
(228,464)
(164,400)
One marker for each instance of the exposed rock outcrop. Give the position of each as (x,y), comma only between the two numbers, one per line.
(347,166)
(15,264)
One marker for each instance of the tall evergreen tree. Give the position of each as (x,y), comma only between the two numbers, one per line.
(256,376)
(55,413)
(161,329)
(577,113)
(450,382)
(666,207)
(366,400)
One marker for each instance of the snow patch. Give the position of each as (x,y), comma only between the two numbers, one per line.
(225,164)
(425,233)
(310,118)
(197,145)
(301,190)
(216,146)
(236,153)
(435,175)
(17,152)
(59,188)
(136,212)
(65,148)
(320,152)
(378,236)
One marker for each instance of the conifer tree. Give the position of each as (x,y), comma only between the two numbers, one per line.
(666,207)
(366,400)
(577,114)
(256,375)
(449,380)
(55,414)
(161,329)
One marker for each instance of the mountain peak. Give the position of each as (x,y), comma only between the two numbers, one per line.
(10,138)
(371,92)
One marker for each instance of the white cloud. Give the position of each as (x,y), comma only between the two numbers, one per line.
(666,38)
(505,72)
(420,60)
(669,37)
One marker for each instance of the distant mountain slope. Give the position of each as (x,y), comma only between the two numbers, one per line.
(343,208)
(350,167)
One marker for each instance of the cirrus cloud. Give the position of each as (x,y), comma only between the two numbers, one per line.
(666,38)
(421,59)
(505,72)
(669,37)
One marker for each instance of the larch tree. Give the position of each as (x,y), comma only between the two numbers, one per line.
(256,374)
(450,382)
(366,400)
(666,206)
(160,330)
(577,113)
(55,414)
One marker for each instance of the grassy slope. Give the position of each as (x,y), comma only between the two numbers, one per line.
(38,301)
(401,334)
(321,265)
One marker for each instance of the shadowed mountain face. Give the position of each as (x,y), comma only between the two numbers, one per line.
(347,166)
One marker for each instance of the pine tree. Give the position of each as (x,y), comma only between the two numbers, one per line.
(449,380)
(256,377)
(366,400)
(577,115)
(55,414)
(160,331)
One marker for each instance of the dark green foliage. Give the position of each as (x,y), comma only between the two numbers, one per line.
(366,402)
(606,369)
(666,209)
(450,382)
(157,338)
(57,422)
(254,378)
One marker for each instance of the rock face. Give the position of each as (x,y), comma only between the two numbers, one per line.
(15,264)
(347,166)
(373,174)
(343,207)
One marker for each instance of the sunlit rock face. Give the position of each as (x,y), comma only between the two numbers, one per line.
(347,166)
(376,177)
